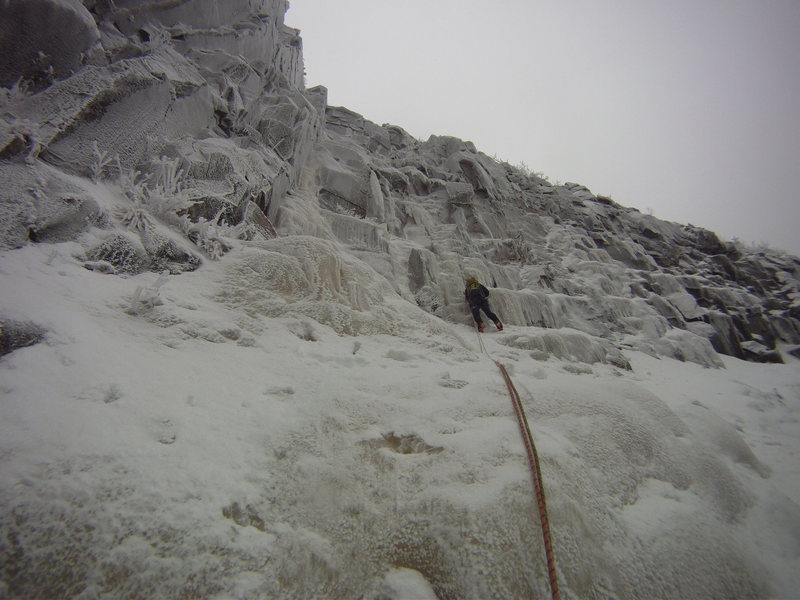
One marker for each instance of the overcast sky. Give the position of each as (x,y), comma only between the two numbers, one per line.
(686,108)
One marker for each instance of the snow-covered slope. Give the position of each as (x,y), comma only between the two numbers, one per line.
(164,442)
(235,358)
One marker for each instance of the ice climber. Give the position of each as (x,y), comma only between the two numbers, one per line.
(477,298)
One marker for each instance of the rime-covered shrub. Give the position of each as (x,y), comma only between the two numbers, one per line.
(166,254)
(16,334)
(122,252)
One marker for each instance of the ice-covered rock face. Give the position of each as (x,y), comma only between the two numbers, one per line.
(216,90)
(103,89)
(559,256)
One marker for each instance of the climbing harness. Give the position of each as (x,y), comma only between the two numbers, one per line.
(536,472)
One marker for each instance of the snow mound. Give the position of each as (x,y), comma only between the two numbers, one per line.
(614,453)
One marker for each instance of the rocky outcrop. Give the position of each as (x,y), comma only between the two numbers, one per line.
(218,88)
(42,41)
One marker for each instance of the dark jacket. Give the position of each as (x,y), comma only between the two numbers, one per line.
(476,296)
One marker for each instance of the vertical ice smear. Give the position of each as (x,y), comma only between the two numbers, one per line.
(191,241)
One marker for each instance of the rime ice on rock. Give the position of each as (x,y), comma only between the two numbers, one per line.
(218,93)
(559,255)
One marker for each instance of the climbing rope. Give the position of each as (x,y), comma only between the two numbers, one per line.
(480,340)
(536,472)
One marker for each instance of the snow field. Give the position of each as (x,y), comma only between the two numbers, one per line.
(220,441)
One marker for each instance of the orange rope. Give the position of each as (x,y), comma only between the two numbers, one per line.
(536,473)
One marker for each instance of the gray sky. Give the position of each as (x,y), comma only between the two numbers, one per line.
(686,108)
